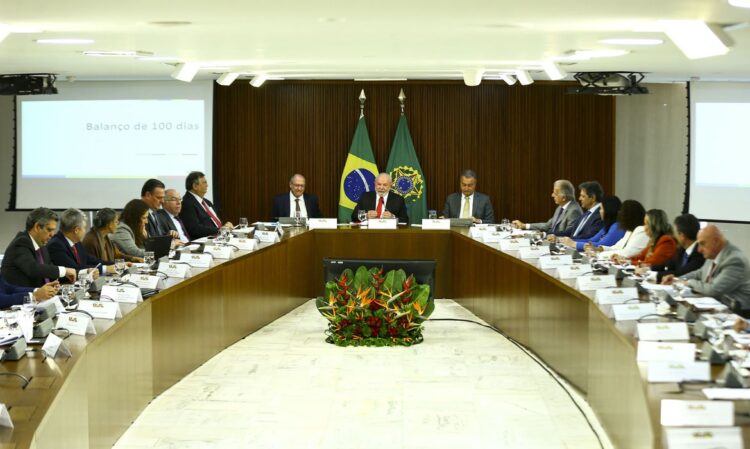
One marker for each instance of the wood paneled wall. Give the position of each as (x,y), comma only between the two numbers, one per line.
(518,139)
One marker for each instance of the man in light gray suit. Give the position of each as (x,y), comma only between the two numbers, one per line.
(726,273)
(469,203)
(568,211)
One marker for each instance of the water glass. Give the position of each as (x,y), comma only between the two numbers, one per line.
(120,267)
(297,218)
(505,225)
(148,259)
(243,223)
(432,214)
(362,215)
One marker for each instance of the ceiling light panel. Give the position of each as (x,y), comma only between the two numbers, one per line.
(695,38)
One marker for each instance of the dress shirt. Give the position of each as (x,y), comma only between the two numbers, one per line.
(200,202)
(36,248)
(293,205)
(689,250)
(630,245)
(586,216)
(179,226)
(464,199)
(377,200)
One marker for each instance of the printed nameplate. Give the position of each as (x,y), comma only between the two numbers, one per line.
(76,323)
(243,244)
(5,420)
(219,252)
(143,280)
(615,295)
(547,262)
(514,244)
(494,236)
(675,412)
(197,260)
(436,223)
(679,371)
(54,345)
(704,438)
(663,331)
(634,311)
(243,231)
(26,323)
(382,223)
(101,309)
(323,223)
(56,301)
(267,236)
(573,271)
(654,351)
(585,283)
(175,270)
(533,252)
(130,294)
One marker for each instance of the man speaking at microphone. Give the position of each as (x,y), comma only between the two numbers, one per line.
(382,203)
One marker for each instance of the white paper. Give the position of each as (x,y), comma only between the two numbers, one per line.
(101,309)
(199,260)
(663,331)
(679,371)
(322,223)
(675,412)
(514,244)
(5,420)
(54,345)
(634,311)
(615,295)
(175,270)
(129,294)
(76,323)
(549,261)
(651,286)
(573,271)
(267,236)
(533,252)
(219,252)
(143,280)
(652,351)
(595,282)
(243,244)
(382,223)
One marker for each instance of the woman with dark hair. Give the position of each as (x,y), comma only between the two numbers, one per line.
(610,233)
(97,241)
(661,244)
(630,219)
(131,231)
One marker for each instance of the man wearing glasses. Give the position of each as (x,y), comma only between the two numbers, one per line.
(170,215)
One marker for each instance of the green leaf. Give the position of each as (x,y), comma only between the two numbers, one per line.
(421,294)
(394,281)
(362,279)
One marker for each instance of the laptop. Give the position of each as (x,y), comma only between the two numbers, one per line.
(461,222)
(160,245)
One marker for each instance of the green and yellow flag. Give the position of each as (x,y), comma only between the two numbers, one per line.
(407,174)
(359,172)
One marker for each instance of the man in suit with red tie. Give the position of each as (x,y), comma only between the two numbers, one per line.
(170,215)
(198,214)
(65,247)
(27,262)
(382,203)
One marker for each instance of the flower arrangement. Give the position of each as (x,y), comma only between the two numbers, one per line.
(373,308)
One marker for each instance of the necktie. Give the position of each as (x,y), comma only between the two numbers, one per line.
(466,211)
(154,223)
(380,206)
(182,225)
(583,222)
(556,220)
(685,258)
(297,210)
(40,259)
(75,254)
(214,218)
(711,271)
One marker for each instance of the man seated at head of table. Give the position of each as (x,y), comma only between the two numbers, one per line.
(468,203)
(198,214)
(567,211)
(588,224)
(296,200)
(610,233)
(725,275)
(688,258)
(97,241)
(130,236)
(27,262)
(382,203)
(661,243)
(630,218)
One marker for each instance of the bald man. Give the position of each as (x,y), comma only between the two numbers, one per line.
(726,273)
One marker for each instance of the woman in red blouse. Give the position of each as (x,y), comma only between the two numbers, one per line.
(661,245)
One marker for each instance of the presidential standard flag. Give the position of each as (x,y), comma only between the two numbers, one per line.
(407,174)
(359,172)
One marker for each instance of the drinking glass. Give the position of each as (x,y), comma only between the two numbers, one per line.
(362,215)
(148,259)
(120,267)
(67,293)
(505,225)
(432,214)
(297,218)
(243,222)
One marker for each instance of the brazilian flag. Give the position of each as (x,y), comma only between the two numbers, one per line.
(359,172)
(407,174)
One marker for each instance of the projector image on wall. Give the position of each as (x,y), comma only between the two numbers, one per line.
(609,83)
(28,84)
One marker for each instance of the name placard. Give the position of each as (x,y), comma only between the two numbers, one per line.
(382,223)
(615,295)
(514,244)
(267,236)
(533,252)
(198,260)
(175,270)
(76,323)
(663,331)
(243,232)
(584,283)
(5,420)
(129,294)
(322,223)
(219,252)
(573,271)
(101,309)
(653,351)
(26,323)
(143,280)
(243,244)
(635,311)
(679,413)
(53,300)
(679,371)
(494,236)
(547,262)
(54,345)
(704,437)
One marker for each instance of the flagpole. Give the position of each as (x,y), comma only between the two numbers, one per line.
(362,99)
(401,99)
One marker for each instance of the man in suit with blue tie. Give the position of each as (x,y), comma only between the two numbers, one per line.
(152,193)
(65,248)
(568,211)
(296,200)
(469,203)
(688,258)
(588,224)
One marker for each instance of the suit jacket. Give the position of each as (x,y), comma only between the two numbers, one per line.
(195,218)
(590,228)
(730,281)
(569,215)
(101,247)
(11,295)
(124,240)
(281,205)
(61,254)
(20,266)
(481,207)
(156,226)
(665,249)
(164,217)
(677,267)
(394,204)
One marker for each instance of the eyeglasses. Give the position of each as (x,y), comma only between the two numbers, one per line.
(176,200)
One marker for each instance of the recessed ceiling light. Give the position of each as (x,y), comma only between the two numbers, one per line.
(740,3)
(695,38)
(159,58)
(65,41)
(631,41)
(118,54)
(600,53)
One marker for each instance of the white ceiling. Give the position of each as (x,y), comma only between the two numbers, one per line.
(358,39)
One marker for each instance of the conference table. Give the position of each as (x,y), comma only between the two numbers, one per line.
(89,399)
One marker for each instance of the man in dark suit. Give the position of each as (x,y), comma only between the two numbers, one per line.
(688,258)
(469,203)
(287,204)
(11,295)
(27,262)
(65,247)
(382,203)
(152,193)
(588,224)
(169,215)
(563,194)
(198,214)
